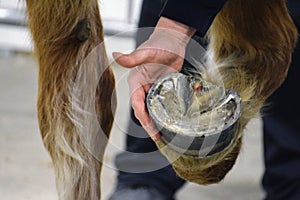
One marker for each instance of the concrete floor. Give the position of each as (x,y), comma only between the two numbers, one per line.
(26,171)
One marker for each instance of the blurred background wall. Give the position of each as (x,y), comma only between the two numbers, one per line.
(117,16)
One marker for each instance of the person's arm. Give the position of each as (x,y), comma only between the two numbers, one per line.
(162,54)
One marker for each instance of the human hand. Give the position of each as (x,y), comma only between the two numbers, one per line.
(162,54)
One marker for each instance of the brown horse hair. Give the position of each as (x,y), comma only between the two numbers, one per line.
(250,48)
(250,42)
(68,41)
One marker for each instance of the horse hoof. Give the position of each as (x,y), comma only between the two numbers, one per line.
(195,117)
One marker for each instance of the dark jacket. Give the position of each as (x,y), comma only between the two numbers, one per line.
(198,14)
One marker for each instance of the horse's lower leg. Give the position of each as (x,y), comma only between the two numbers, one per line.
(251,43)
(64,33)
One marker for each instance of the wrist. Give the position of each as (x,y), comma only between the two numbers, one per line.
(166,23)
(170,36)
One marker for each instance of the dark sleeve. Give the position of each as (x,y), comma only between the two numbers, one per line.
(294,9)
(198,14)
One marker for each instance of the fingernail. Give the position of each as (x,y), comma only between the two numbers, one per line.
(156,137)
(117,54)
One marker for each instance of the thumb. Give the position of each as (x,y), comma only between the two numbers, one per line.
(133,59)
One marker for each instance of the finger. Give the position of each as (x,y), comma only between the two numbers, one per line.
(133,59)
(140,111)
(153,132)
(146,122)
(138,104)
